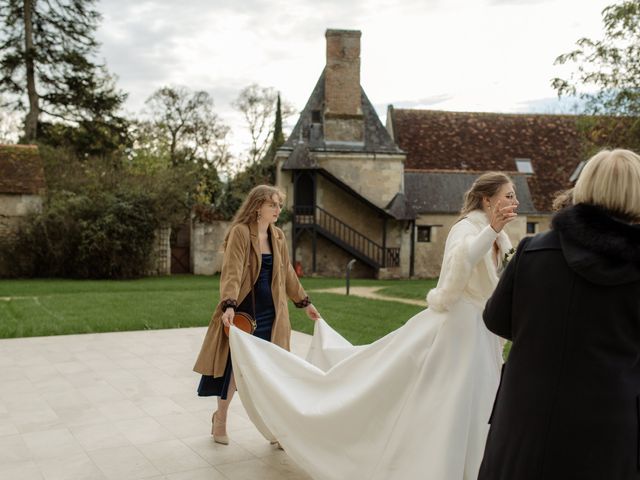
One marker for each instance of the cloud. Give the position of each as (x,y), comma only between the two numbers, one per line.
(517,2)
(552,105)
(421,103)
(410,50)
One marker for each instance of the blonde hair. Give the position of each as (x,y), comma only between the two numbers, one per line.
(248,211)
(611,179)
(562,199)
(486,185)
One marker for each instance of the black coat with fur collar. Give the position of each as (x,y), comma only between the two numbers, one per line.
(569,402)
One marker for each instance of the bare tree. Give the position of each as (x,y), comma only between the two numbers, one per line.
(182,124)
(258,105)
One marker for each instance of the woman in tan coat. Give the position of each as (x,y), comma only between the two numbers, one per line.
(255,257)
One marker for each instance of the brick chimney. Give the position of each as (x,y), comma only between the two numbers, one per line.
(343,121)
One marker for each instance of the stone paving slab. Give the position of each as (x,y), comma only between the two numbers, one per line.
(122,406)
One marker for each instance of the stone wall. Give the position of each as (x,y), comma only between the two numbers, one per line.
(428,255)
(355,213)
(403,230)
(19,205)
(428,259)
(206,247)
(331,260)
(13,208)
(543,222)
(284,182)
(161,255)
(377,178)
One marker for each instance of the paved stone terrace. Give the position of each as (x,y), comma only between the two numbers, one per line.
(122,406)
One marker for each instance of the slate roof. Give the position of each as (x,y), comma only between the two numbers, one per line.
(462,141)
(21,170)
(376,136)
(401,208)
(443,191)
(306,140)
(301,158)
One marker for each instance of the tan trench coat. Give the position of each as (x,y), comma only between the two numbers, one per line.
(240,269)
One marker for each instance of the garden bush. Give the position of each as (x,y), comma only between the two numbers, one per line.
(104,235)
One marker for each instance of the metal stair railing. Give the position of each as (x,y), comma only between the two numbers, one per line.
(376,253)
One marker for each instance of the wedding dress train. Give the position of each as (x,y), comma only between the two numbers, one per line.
(412,405)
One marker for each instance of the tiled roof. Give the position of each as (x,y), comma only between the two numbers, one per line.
(376,137)
(21,170)
(438,140)
(443,191)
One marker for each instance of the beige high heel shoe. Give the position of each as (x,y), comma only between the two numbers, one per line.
(216,425)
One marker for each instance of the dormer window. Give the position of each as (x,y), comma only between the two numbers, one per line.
(316,116)
(576,173)
(524,166)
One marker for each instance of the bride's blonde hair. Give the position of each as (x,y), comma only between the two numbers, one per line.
(248,211)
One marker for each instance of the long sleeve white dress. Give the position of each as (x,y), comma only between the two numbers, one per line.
(412,405)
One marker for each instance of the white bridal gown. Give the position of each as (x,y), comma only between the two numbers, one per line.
(412,405)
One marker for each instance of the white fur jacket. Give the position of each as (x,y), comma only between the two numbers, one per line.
(468,266)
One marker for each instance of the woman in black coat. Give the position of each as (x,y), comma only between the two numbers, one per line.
(569,402)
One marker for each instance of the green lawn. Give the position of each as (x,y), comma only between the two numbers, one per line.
(413,289)
(57,307)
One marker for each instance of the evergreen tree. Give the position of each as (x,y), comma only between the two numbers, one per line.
(48,49)
(277,139)
(278,135)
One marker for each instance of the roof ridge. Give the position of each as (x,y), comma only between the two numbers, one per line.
(377,138)
(446,170)
(19,146)
(493,114)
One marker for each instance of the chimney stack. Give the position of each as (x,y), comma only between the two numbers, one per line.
(343,121)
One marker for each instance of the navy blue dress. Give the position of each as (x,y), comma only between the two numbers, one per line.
(264,315)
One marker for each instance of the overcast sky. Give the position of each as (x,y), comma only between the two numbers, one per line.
(464,55)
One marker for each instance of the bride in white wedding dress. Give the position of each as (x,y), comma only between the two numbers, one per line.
(412,405)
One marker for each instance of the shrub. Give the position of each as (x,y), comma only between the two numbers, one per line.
(99,236)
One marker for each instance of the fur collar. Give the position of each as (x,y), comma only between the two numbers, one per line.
(597,230)
(478,218)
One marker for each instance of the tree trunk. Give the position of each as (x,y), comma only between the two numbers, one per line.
(173,146)
(31,122)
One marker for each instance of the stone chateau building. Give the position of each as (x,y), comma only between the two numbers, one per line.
(22,185)
(388,195)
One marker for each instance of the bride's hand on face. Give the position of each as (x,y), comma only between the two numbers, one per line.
(502,214)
